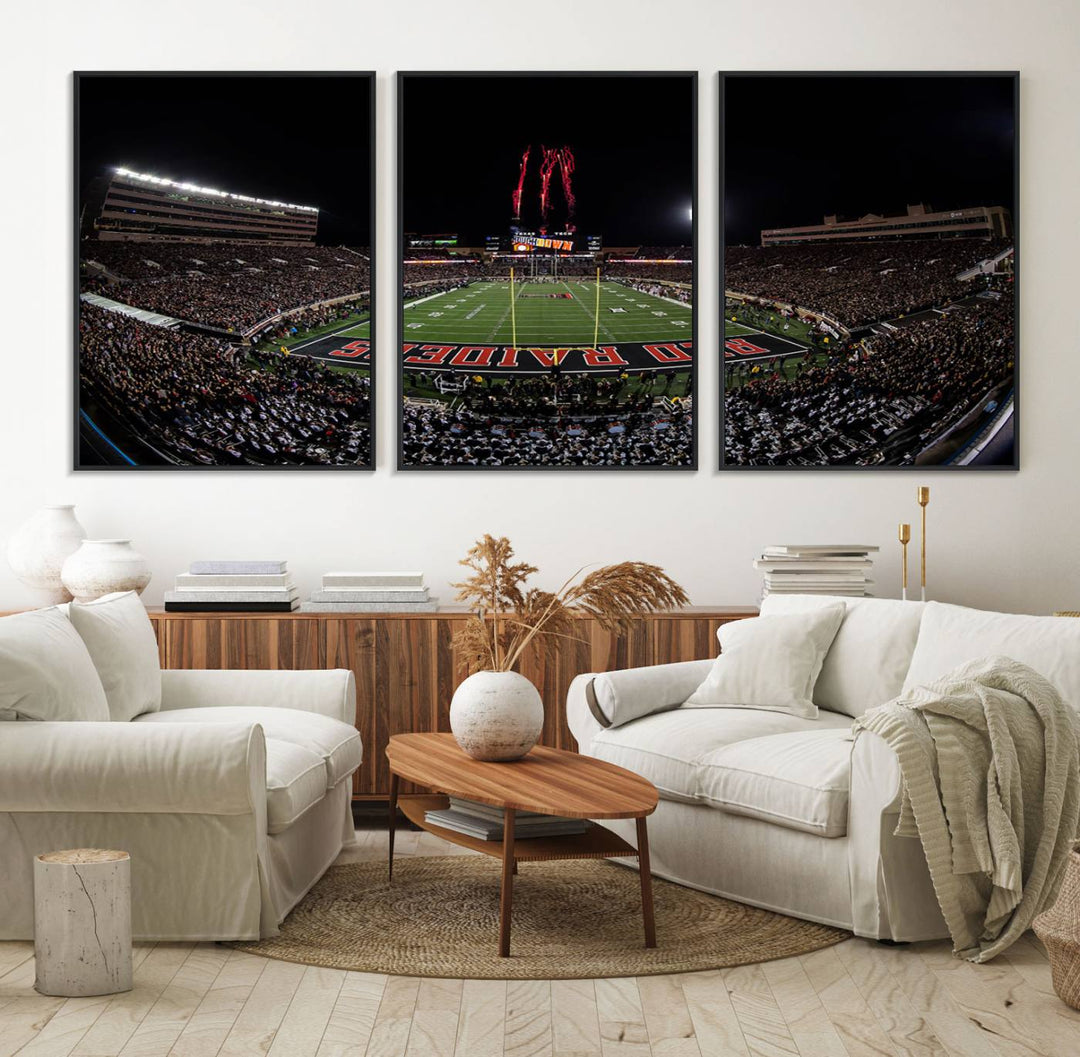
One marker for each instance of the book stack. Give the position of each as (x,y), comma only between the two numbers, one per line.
(371,593)
(486,822)
(234,587)
(817,569)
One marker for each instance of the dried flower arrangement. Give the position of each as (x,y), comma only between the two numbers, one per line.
(507,615)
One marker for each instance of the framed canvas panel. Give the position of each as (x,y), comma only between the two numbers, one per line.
(547,269)
(224,229)
(869,270)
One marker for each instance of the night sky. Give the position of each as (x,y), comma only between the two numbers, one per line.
(305,140)
(799,148)
(632,139)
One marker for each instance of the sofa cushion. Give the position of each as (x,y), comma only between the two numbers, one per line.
(953,635)
(870,656)
(295,780)
(668,748)
(770,662)
(337,744)
(45,670)
(120,639)
(799,780)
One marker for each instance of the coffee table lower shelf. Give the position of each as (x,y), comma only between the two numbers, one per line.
(596,842)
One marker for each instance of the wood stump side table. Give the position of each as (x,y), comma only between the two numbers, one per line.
(548,781)
(82,922)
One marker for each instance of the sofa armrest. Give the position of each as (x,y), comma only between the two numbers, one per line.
(892,896)
(596,701)
(330,692)
(190,768)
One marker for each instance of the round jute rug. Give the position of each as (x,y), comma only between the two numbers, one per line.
(576,918)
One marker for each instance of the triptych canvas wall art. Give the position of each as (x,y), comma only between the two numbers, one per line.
(547,265)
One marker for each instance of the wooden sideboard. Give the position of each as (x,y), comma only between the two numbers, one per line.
(406,667)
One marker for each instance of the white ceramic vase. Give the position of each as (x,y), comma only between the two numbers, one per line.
(100,567)
(496,715)
(37,551)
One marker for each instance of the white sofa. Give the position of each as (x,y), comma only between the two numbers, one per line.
(232,794)
(793,814)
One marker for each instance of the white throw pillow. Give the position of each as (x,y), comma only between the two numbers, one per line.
(120,638)
(869,657)
(45,670)
(770,662)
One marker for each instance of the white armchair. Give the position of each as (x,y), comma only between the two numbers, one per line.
(232,799)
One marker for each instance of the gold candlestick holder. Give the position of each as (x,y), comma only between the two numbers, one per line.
(923,497)
(904,535)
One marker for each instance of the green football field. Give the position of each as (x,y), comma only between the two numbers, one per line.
(482,313)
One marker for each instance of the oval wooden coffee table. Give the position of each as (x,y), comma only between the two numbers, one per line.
(549,781)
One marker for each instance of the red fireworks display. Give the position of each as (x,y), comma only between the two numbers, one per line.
(563,157)
(566,170)
(516,197)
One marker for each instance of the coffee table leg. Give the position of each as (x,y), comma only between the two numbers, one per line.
(506,897)
(646,882)
(393,821)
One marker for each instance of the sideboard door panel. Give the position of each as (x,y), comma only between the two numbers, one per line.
(350,643)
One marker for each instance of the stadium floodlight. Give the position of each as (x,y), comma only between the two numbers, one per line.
(197,189)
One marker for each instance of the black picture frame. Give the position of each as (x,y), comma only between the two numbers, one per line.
(79,78)
(1012,76)
(403,78)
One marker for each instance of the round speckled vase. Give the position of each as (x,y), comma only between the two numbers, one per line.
(496,715)
(37,551)
(101,567)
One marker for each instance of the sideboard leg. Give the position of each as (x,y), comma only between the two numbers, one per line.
(644,871)
(506,896)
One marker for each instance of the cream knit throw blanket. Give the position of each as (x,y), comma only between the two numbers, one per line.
(990,761)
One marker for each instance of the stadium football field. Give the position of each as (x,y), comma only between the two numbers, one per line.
(481,313)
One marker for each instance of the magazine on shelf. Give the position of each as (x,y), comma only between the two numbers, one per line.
(488,829)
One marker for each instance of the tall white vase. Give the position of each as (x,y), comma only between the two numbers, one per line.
(496,715)
(37,551)
(100,567)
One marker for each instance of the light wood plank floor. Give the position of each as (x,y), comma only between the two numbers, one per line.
(857,999)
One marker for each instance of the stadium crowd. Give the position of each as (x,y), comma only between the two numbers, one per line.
(672,273)
(882,399)
(683,294)
(858,284)
(437,435)
(548,396)
(155,260)
(227,287)
(199,401)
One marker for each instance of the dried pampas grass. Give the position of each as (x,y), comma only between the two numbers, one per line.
(507,615)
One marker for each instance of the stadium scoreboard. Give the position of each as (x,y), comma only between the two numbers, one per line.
(594,243)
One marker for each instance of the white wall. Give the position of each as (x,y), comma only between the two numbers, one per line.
(997,540)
